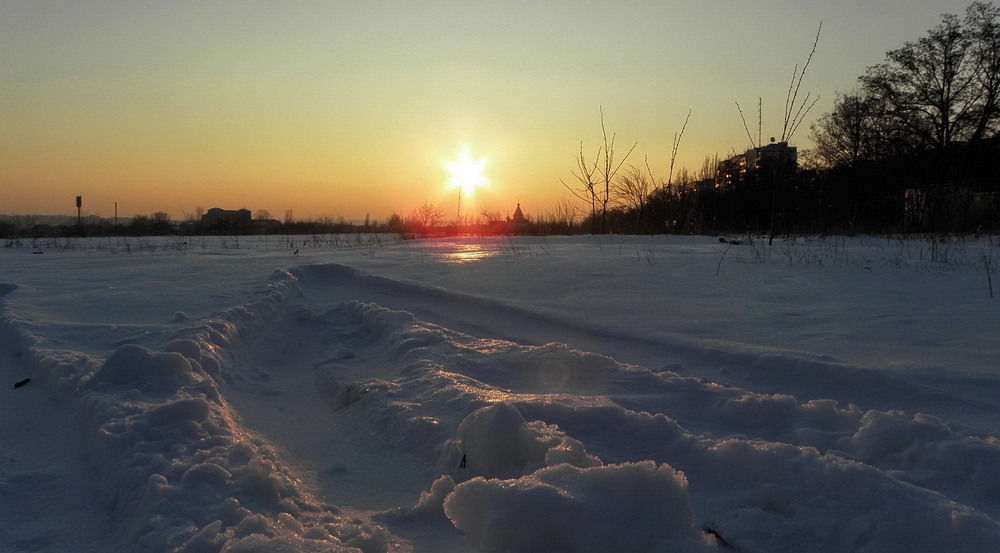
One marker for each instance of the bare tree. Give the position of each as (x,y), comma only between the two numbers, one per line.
(586,175)
(262,215)
(564,212)
(982,24)
(395,224)
(683,179)
(492,219)
(929,86)
(854,131)
(597,179)
(609,171)
(708,168)
(427,216)
(633,187)
(928,94)
(196,216)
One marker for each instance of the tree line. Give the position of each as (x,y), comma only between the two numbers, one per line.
(159,223)
(912,148)
(915,144)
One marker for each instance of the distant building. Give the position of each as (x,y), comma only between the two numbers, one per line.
(227,220)
(517,224)
(766,165)
(518,217)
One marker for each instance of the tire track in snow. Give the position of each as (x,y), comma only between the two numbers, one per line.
(280,398)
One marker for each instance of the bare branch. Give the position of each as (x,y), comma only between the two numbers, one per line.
(677,143)
(798,120)
(745,127)
(798,84)
(575,193)
(649,172)
(788,97)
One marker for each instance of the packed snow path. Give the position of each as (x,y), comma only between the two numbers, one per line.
(48,495)
(280,393)
(242,400)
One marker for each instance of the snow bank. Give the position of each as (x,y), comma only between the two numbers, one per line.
(796,495)
(637,507)
(178,470)
(921,449)
(531,488)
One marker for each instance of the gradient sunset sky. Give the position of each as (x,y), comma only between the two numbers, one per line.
(345,109)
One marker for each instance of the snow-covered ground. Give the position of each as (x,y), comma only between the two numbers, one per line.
(561,394)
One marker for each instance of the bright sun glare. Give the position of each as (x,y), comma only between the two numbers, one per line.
(466,172)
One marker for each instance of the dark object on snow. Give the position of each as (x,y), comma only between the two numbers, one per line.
(296,252)
(462,464)
(21,383)
(725,544)
(37,253)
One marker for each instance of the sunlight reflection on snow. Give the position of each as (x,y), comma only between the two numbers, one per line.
(467,253)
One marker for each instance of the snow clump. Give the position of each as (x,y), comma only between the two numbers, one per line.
(627,507)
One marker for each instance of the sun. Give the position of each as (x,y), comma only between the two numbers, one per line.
(466,172)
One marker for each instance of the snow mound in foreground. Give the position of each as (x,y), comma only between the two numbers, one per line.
(627,507)
(496,442)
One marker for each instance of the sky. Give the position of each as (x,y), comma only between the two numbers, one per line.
(354,109)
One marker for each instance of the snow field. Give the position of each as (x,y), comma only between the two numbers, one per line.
(301,420)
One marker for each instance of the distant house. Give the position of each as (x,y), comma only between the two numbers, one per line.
(766,165)
(227,220)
